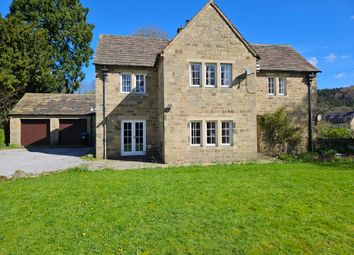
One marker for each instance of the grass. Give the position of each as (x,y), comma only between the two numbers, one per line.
(293,208)
(9,147)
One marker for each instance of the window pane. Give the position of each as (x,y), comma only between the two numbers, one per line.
(211,74)
(126,83)
(196,133)
(226,74)
(226,133)
(271,86)
(211,133)
(140,83)
(282,86)
(196,74)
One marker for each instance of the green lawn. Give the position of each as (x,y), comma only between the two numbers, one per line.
(292,208)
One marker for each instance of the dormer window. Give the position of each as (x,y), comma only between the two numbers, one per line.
(195,74)
(210,75)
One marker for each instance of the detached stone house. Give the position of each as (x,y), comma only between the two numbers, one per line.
(197,97)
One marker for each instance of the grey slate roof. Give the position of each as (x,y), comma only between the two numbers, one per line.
(128,51)
(54,104)
(277,57)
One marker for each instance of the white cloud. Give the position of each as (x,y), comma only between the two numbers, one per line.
(351,17)
(340,75)
(331,58)
(345,57)
(313,61)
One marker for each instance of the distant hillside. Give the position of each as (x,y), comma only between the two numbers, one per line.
(335,100)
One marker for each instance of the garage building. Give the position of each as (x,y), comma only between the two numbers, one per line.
(53,119)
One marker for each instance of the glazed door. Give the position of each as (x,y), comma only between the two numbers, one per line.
(133,138)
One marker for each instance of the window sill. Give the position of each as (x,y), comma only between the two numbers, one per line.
(210,86)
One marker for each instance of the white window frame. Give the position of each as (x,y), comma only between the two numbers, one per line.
(206,75)
(136,83)
(200,131)
(221,72)
(230,130)
(274,86)
(121,83)
(191,80)
(282,91)
(206,133)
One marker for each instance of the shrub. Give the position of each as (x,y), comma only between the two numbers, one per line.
(2,137)
(336,133)
(279,134)
(328,155)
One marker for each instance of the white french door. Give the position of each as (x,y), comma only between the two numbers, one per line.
(133,137)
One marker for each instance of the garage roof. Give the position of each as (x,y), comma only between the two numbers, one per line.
(55,104)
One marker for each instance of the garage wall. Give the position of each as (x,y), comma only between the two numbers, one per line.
(15,127)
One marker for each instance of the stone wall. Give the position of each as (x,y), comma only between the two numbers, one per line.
(121,106)
(295,101)
(208,39)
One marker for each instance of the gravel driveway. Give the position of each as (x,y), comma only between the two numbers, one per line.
(37,160)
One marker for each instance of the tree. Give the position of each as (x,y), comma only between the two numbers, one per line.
(151,32)
(69,35)
(25,63)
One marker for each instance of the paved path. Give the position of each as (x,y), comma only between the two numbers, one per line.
(34,161)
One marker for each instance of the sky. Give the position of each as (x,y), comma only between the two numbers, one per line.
(321,30)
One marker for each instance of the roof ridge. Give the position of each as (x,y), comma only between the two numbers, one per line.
(132,37)
(271,44)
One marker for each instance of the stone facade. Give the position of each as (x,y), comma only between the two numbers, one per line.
(171,104)
(295,100)
(236,104)
(120,106)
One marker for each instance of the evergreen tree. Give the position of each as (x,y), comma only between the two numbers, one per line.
(69,35)
(25,63)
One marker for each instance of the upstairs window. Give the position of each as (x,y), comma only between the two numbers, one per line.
(226,132)
(226,75)
(196,74)
(140,87)
(196,133)
(271,86)
(126,83)
(210,75)
(282,86)
(211,133)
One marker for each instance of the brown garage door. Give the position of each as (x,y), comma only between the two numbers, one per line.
(69,131)
(35,132)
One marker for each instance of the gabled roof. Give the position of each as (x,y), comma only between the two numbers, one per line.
(128,51)
(54,104)
(277,57)
(227,21)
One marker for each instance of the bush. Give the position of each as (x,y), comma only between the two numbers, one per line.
(328,155)
(280,135)
(336,133)
(2,137)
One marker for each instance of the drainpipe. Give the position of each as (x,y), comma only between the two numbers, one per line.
(309,79)
(104,71)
